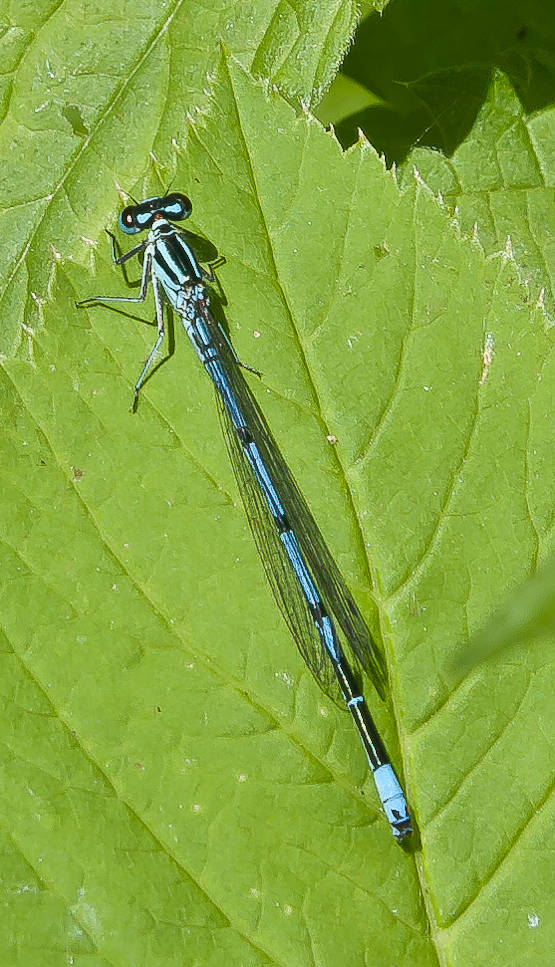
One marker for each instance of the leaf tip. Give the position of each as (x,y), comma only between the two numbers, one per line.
(362,139)
(330,130)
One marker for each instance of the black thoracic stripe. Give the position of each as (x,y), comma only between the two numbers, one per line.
(178,251)
(162,254)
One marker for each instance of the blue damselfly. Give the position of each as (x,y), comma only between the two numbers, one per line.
(304,577)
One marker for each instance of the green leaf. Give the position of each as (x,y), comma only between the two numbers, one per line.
(90,91)
(430,65)
(176,788)
(500,180)
(446,89)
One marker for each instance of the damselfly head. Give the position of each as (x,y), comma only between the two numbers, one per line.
(137,218)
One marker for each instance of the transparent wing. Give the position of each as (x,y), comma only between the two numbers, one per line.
(327,577)
(283,582)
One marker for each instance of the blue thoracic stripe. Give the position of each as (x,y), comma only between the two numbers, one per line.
(174,264)
(187,256)
(166,267)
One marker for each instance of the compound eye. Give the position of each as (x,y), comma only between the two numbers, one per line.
(127,220)
(177,206)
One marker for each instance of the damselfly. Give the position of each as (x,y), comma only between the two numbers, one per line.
(305,579)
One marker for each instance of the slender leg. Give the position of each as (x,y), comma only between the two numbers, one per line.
(124,298)
(161,332)
(208,273)
(120,259)
(249,369)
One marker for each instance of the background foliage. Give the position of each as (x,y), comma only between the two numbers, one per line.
(175,788)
